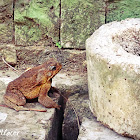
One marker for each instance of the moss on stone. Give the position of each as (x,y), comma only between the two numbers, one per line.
(35,20)
(6,22)
(79,20)
(122,9)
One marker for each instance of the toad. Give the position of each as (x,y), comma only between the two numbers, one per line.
(36,82)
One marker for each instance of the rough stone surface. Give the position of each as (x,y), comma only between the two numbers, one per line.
(70,84)
(129,40)
(80,103)
(9,53)
(122,9)
(36,20)
(6,21)
(79,20)
(91,129)
(27,124)
(114,76)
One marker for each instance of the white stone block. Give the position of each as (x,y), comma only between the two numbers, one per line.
(113,61)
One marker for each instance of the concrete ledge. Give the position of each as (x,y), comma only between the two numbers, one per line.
(27,124)
(113,60)
(91,129)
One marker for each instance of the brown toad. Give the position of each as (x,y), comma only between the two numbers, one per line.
(33,83)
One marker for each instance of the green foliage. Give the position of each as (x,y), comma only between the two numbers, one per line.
(58,45)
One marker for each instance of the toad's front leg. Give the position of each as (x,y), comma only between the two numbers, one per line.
(44,99)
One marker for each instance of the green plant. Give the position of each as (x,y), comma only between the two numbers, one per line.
(58,45)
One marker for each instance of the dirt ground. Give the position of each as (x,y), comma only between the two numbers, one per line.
(73,61)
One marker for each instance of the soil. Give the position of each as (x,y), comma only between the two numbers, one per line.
(73,61)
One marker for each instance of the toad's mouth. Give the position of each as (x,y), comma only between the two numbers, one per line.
(58,68)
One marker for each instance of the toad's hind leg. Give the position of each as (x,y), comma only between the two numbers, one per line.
(15,101)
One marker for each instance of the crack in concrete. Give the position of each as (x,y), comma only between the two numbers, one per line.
(13,38)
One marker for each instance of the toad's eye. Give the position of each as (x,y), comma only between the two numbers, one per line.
(53,68)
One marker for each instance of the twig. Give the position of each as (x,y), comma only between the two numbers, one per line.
(9,65)
(31,109)
(25,109)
